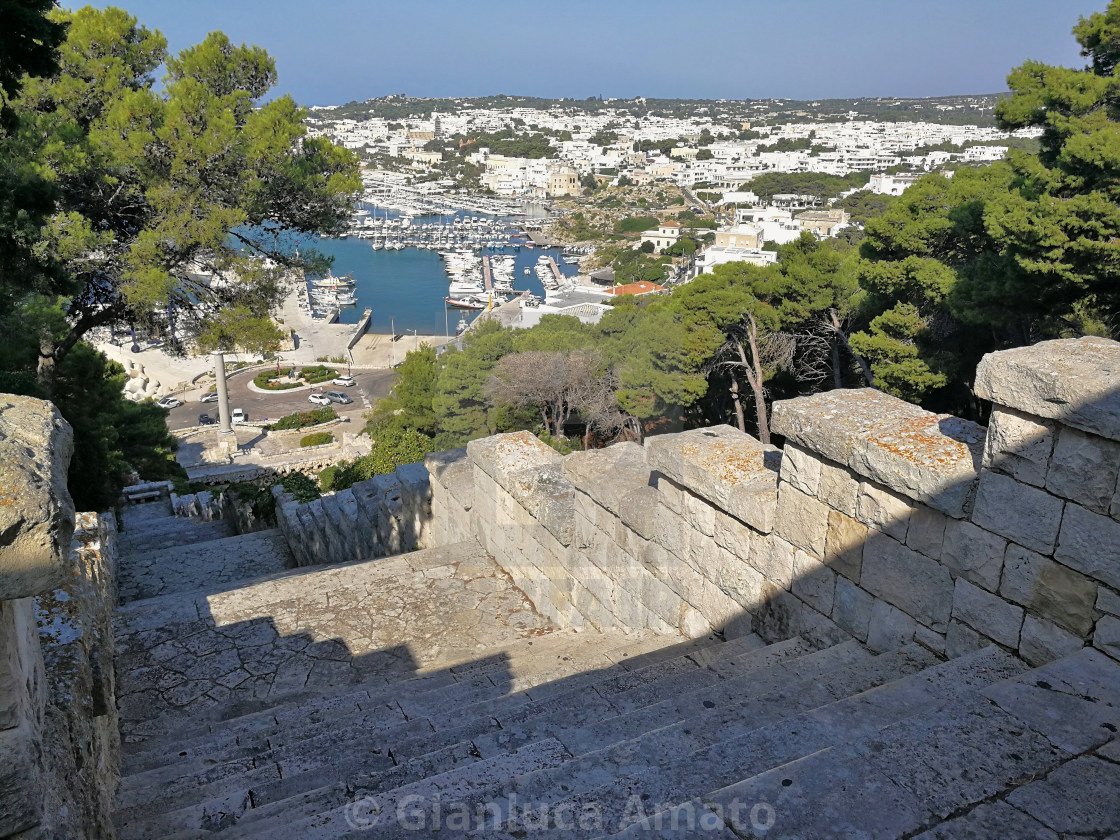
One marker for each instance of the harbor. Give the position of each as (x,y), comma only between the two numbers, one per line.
(421,274)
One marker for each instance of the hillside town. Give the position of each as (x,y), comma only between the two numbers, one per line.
(655,162)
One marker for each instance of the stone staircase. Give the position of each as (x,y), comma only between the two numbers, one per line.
(423,695)
(164,554)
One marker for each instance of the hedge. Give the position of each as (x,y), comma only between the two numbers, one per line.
(316,439)
(264,380)
(318,373)
(302,419)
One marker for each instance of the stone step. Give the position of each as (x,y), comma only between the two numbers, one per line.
(378,717)
(745,751)
(212,566)
(369,815)
(311,632)
(160,534)
(575,704)
(348,749)
(554,656)
(582,708)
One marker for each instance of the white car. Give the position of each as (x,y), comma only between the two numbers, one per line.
(319,399)
(239,416)
(344,381)
(169,402)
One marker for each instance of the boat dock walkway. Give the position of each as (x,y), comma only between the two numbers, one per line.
(555,270)
(487,282)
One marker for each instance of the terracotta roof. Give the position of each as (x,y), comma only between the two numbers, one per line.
(670,224)
(642,287)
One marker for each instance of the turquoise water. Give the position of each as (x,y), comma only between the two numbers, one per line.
(406,288)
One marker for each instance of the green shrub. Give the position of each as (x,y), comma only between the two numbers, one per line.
(318,373)
(301,487)
(259,499)
(316,439)
(264,380)
(392,448)
(327,478)
(303,419)
(635,224)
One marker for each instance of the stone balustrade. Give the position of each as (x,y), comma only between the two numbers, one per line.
(878,520)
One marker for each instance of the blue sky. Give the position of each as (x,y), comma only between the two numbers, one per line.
(333,51)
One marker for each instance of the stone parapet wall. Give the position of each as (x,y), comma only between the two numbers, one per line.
(381,517)
(58,727)
(878,520)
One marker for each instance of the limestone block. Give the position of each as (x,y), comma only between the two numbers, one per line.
(889,628)
(1108,601)
(784,616)
(801,519)
(773,557)
(1072,380)
(987,613)
(699,514)
(800,468)
(920,587)
(608,475)
(973,553)
(1090,543)
(884,510)
(930,639)
(1043,641)
(813,582)
(843,550)
(508,458)
(21,786)
(669,492)
(926,531)
(839,488)
(529,471)
(851,608)
(734,536)
(36,511)
(1048,589)
(453,471)
(1023,514)
(1107,636)
(692,624)
(729,469)
(1019,445)
(1084,469)
(962,639)
(639,509)
(928,457)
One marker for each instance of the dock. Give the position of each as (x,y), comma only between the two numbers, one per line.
(487,282)
(555,270)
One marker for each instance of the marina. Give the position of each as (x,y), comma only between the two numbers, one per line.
(419,274)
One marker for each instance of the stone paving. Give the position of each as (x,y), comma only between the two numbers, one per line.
(365,622)
(215,565)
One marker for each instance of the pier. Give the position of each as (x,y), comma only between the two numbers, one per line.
(487,281)
(556,270)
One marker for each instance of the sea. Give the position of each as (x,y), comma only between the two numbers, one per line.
(406,288)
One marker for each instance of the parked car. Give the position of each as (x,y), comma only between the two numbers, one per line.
(319,399)
(206,420)
(239,416)
(209,397)
(343,381)
(169,402)
(339,397)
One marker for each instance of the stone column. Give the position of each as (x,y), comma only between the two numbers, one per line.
(224,426)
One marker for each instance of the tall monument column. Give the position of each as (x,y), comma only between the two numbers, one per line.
(224,426)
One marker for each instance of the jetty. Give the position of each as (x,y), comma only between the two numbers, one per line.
(555,270)
(487,280)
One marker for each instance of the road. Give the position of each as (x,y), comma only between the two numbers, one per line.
(369,387)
